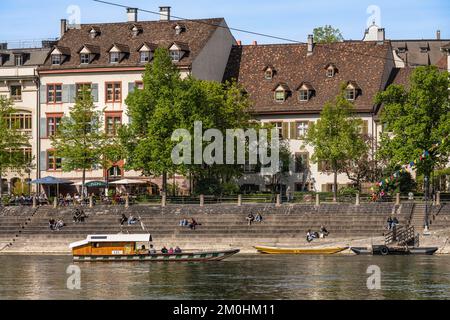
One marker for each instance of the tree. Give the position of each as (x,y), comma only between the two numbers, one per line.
(12,140)
(80,139)
(147,140)
(416,119)
(336,136)
(327,34)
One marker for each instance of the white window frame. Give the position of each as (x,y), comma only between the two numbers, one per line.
(18,60)
(83,56)
(175,55)
(350,92)
(301,95)
(113,55)
(145,56)
(302,128)
(56,59)
(280,92)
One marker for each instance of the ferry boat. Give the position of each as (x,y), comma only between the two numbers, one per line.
(135,247)
(383,250)
(281,250)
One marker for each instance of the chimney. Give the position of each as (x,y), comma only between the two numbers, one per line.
(132,14)
(438,35)
(255,43)
(239,43)
(310,45)
(63,26)
(380,35)
(164,13)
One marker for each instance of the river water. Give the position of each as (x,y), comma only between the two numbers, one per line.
(240,277)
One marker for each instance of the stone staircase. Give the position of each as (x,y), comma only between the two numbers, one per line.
(418,216)
(12,223)
(222,225)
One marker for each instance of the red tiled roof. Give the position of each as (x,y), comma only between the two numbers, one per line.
(363,63)
(158,33)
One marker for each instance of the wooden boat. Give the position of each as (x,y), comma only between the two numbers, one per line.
(382,250)
(128,247)
(280,250)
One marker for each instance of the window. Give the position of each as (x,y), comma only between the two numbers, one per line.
(302,129)
(85,58)
(279,127)
(54,93)
(114,57)
(56,59)
(330,72)
(301,161)
(16,93)
(53,123)
(53,161)
(324,166)
(304,95)
(20,121)
(139,85)
(83,86)
(268,74)
(175,55)
(364,129)
(280,96)
(113,123)
(114,92)
(145,56)
(18,60)
(350,94)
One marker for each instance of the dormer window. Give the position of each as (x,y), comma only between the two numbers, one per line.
(331,70)
(56,59)
(85,58)
(146,52)
(281,92)
(117,53)
(179,29)
(136,30)
(305,92)
(114,57)
(352,90)
(145,56)
(178,50)
(87,53)
(269,73)
(94,32)
(18,60)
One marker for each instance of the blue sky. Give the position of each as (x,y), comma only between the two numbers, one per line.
(293,19)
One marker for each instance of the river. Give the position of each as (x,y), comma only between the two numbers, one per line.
(241,277)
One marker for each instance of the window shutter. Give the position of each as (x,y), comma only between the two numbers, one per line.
(43,94)
(365,128)
(66,93)
(285,131)
(94,91)
(43,127)
(131,86)
(72,93)
(293,126)
(43,161)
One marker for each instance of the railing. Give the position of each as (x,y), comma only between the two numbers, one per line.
(401,235)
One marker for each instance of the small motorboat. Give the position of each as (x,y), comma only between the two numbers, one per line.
(131,247)
(382,250)
(281,250)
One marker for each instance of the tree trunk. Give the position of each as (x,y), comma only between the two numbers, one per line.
(83,181)
(335,186)
(1,185)
(164,182)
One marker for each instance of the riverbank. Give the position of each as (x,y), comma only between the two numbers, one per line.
(26,231)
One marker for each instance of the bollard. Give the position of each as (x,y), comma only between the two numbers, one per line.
(317,200)
(278,200)
(357,199)
(127,201)
(397,199)
(202,200)
(55,202)
(438,198)
(34,201)
(91,201)
(163,199)
(239,200)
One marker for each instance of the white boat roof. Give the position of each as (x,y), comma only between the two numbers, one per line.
(112,238)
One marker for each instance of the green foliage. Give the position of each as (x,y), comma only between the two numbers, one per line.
(11,141)
(80,140)
(348,191)
(415,119)
(336,136)
(167,103)
(327,34)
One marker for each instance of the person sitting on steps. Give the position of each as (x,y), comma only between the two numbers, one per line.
(250,218)
(258,218)
(123,219)
(323,232)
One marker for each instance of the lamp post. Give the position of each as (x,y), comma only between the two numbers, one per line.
(426,180)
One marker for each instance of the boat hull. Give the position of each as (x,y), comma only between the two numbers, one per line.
(182,257)
(385,250)
(306,251)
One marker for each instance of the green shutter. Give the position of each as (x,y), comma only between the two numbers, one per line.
(293,127)
(43,127)
(131,86)
(285,131)
(43,161)
(72,93)
(66,93)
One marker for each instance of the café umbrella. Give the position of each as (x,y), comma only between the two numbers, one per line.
(51,181)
